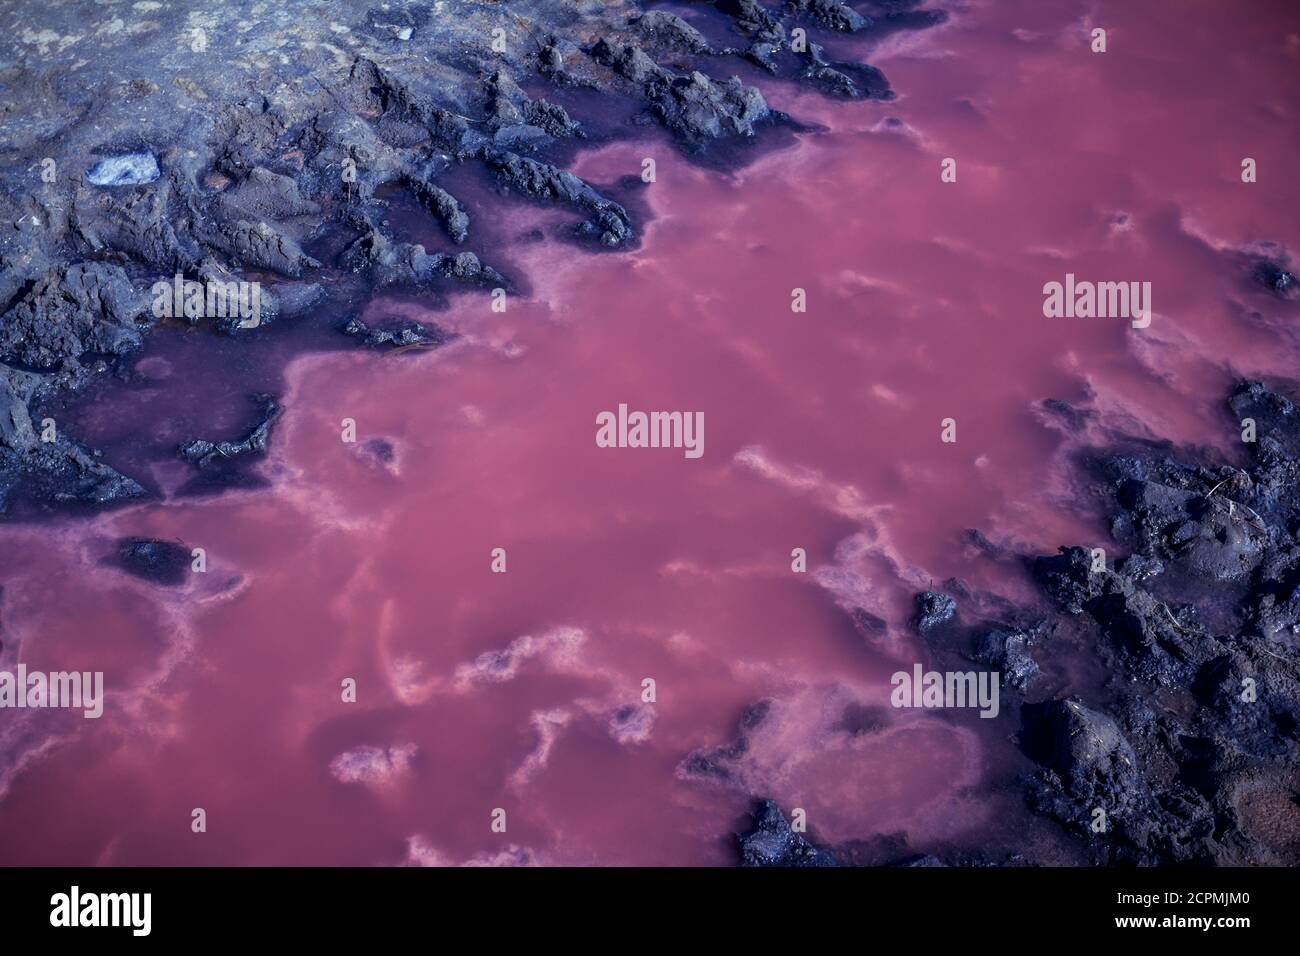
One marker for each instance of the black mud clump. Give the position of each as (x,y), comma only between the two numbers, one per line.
(1188,752)
(160,562)
(205,454)
(221,465)
(397,333)
(772,842)
(717,762)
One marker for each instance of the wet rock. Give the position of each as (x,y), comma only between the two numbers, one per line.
(552,119)
(161,562)
(933,610)
(1276,417)
(519,118)
(892,15)
(844,80)
(1161,644)
(203,453)
(695,108)
(1243,706)
(609,223)
(445,207)
(1199,730)
(386,263)
(1067,578)
(773,843)
(398,333)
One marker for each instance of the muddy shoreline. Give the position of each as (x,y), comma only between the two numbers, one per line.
(1193,605)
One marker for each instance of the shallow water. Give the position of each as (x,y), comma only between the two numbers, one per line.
(822,432)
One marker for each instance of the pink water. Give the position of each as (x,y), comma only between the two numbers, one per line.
(822,432)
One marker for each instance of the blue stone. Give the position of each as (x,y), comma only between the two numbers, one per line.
(132,169)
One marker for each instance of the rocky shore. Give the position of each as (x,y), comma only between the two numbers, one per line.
(262,142)
(1186,751)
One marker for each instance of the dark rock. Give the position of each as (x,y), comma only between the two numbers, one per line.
(844,80)
(1067,578)
(401,332)
(609,223)
(1277,418)
(696,109)
(203,453)
(773,843)
(444,206)
(387,263)
(162,562)
(933,610)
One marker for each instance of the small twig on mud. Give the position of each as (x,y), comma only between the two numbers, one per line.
(1284,660)
(1233,477)
(1174,620)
